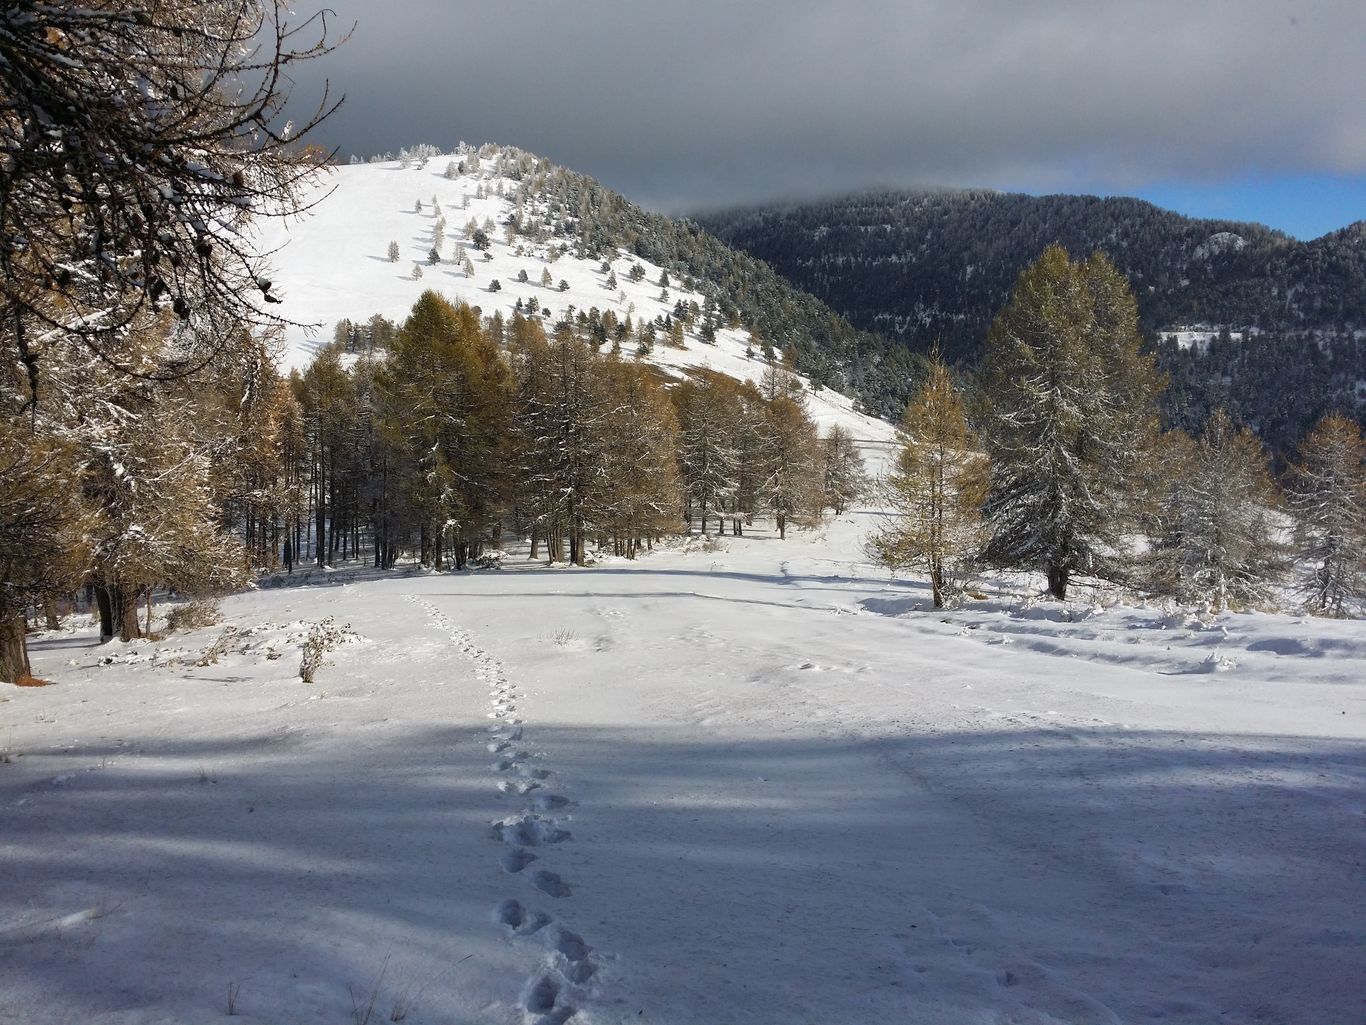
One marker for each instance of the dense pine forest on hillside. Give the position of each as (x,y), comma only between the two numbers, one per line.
(930,268)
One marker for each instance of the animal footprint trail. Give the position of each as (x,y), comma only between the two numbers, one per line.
(551,995)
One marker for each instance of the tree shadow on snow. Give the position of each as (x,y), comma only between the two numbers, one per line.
(1151,871)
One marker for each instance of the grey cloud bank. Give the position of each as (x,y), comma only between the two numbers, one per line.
(687,105)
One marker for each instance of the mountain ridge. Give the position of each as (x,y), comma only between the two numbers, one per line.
(930,269)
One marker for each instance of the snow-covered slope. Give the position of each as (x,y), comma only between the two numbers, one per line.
(333,264)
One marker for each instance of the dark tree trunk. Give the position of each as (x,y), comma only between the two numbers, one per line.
(1058,576)
(104,601)
(13,645)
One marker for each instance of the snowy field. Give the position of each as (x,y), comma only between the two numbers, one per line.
(750,783)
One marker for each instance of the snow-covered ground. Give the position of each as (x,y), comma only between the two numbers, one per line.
(741,781)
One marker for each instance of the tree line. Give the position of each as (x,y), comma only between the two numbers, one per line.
(1057,463)
(433,441)
(468,427)
(134,310)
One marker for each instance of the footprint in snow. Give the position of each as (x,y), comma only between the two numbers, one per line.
(543,998)
(570,944)
(516,859)
(511,914)
(552,885)
(527,831)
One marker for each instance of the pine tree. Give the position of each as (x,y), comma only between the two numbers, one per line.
(1071,419)
(393,252)
(640,497)
(445,394)
(41,529)
(844,478)
(936,491)
(1216,539)
(708,462)
(1328,499)
(792,483)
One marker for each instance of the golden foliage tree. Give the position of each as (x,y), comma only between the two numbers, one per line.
(936,491)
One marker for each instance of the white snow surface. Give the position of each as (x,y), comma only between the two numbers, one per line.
(332,264)
(738,781)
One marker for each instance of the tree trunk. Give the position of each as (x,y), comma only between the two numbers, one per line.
(104,601)
(1058,577)
(13,645)
(126,600)
(50,613)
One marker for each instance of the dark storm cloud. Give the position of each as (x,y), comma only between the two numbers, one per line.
(693,103)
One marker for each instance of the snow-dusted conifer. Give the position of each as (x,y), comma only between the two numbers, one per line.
(393,252)
(1328,499)
(127,168)
(1072,418)
(844,478)
(1216,542)
(707,458)
(791,487)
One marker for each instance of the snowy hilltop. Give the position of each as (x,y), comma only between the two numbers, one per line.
(504,231)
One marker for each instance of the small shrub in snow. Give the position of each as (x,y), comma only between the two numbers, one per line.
(322,638)
(194,615)
(218,648)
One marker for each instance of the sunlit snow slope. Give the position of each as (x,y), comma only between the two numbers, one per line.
(333,264)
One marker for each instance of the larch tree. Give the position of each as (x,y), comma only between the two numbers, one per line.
(844,478)
(1328,500)
(706,456)
(43,533)
(791,486)
(136,142)
(936,491)
(1217,540)
(640,497)
(445,393)
(1071,418)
